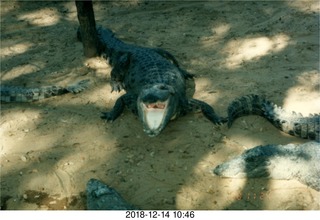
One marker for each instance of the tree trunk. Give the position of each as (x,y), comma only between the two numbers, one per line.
(88,29)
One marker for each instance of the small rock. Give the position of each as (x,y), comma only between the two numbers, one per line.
(68,163)
(23,158)
(33,171)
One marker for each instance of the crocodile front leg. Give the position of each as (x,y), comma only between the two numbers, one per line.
(126,100)
(207,111)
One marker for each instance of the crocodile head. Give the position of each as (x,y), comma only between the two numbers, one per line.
(156,106)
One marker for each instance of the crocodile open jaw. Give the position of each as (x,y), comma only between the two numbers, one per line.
(154,114)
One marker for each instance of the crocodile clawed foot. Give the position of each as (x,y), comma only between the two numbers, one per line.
(224,120)
(220,121)
(78,87)
(186,74)
(116,86)
(107,116)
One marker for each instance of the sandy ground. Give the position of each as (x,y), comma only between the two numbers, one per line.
(51,148)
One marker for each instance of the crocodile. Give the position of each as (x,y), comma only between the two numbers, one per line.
(293,161)
(103,197)
(291,123)
(21,94)
(154,83)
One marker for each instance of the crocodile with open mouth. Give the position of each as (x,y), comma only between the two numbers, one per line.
(154,84)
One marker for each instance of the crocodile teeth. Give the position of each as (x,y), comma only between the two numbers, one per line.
(158,105)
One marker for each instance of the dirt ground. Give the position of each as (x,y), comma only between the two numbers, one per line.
(51,148)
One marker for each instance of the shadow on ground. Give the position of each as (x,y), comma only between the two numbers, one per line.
(50,149)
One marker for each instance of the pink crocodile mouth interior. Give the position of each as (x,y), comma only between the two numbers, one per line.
(158,105)
(154,114)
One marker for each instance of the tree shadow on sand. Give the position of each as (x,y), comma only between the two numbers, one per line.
(161,172)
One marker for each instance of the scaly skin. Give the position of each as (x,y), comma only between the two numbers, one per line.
(289,122)
(292,161)
(102,197)
(20,94)
(149,77)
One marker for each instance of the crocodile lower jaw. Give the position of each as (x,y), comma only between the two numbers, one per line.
(155,114)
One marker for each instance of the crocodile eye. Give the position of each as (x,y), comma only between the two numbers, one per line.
(162,87)
(166,88)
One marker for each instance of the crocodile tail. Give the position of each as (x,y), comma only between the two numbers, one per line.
(245,105)
(20,94)
(293,123)
(289,122)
